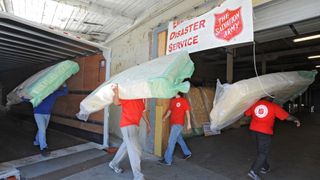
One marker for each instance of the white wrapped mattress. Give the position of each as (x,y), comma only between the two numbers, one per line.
(232,100)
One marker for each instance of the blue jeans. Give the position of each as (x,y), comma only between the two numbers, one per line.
(175,136)
(42,121)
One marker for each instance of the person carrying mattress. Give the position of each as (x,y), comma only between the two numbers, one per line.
(179,107)
(132,111)
(263,115)
(42,116)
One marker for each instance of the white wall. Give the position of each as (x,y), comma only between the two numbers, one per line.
(134,47)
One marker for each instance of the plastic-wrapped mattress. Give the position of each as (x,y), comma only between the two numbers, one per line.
(159,78)
(232,100)
(43,83)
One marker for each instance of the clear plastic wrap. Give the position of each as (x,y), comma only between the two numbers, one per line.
(159,78)
(232,100)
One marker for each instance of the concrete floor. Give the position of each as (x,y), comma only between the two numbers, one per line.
(295,152)
(17,135)
(295,155)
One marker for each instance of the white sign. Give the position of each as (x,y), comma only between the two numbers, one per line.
(230,23)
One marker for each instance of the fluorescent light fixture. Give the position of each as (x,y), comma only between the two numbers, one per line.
(307,38)
(314,57)
(317,66)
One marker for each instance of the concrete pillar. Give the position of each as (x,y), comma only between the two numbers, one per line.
(230,55)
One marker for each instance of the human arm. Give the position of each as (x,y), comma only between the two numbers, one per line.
(116,99)
(146,119)
(166,115)
(293,119)
(188,120)
(62,92)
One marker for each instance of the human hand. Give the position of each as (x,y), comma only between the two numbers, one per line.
(188,126)
(148,129)
(115,88)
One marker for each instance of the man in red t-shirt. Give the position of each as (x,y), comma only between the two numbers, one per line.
(132,111)
(263,115)
(178,108)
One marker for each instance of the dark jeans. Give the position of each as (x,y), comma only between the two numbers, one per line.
(263,142)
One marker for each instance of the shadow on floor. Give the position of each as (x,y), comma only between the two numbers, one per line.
(17,135)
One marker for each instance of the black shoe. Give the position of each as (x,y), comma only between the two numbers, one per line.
(164,162)
(186,156)
(264,170)
(253,175)
(44,153)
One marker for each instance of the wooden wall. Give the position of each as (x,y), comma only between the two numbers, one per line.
(89,77)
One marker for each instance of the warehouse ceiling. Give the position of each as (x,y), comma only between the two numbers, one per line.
(94,20)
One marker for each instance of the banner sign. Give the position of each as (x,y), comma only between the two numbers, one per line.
(230,23)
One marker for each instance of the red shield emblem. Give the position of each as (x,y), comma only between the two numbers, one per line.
(228,24)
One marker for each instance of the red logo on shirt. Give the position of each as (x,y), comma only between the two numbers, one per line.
(261,111)
(228,24)
(178,104)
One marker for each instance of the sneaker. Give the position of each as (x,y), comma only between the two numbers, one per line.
(36,143)
(253,175)
(44,153)
(164,162)
(115,169)
(264,170)
(186,156)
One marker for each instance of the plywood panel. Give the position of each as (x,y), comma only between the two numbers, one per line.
(78,124)
(162,128)
(69,106)
(208,94)
(75,82)
(199,113)
(94,72)
(162,41)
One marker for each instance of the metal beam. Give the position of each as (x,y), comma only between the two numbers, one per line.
(28,53)
(273,55)
(19,28)
(36,46)
(284,12)
(30,49)
(9,56)
(19,55)
(12,61)
(99,9)
(40,42)
(283,66)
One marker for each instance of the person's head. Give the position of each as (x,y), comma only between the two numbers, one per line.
(179,94)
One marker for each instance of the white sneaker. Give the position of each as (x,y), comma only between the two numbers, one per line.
(253,175)
(115,169)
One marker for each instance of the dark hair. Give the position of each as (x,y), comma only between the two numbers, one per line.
(180,94)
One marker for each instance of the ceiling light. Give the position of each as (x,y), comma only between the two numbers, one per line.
(317,66)
(314,57)
(307,38)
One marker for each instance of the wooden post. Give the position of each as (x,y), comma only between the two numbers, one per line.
(230,65)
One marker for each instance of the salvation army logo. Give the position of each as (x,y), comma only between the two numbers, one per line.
(178,104)
(261,111)
(228,24)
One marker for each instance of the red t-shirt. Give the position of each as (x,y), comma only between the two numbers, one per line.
(263,115)
(178,107)
(131,112)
